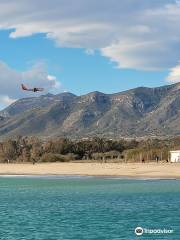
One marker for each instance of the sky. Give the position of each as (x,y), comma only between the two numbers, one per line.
(87,45)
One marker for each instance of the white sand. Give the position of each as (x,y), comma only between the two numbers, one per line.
(137,170)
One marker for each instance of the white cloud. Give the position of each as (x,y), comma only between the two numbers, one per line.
(5,100)
(56,84)
(174,75)
(139,34)
(51,78)
(10,82)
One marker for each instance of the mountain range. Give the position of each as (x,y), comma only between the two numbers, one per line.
(139,112)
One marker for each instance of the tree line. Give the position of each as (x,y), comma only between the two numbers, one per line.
(33,149)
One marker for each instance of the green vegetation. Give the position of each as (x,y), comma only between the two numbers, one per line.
(32,149)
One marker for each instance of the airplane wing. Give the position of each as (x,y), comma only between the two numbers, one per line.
(40,89)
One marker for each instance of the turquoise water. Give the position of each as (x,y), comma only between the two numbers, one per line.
(87,208)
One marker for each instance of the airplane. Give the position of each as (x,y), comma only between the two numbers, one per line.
(35,89)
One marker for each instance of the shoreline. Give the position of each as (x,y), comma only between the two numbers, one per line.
(59,176)
(154,171)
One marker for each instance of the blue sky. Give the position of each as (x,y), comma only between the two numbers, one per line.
(85,47)
(77,71)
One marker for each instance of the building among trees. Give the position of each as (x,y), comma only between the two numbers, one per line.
(175,156)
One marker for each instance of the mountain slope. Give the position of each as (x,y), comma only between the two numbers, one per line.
(137,112)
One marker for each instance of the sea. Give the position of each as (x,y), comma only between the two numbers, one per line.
(82,208)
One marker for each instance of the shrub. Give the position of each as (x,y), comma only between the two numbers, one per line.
(52,157)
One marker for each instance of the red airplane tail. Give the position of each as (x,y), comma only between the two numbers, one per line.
(24,87)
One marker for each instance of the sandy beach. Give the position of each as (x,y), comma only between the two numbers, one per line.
(134,170)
